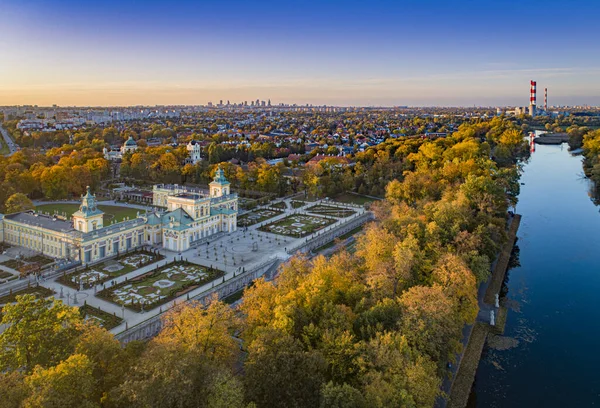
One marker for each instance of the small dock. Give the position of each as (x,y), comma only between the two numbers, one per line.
(552,139)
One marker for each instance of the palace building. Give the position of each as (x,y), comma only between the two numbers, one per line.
(189,216)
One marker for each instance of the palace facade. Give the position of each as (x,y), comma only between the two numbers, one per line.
(188,217)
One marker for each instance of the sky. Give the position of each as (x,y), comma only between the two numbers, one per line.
(345,53)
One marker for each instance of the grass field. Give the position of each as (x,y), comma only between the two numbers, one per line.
(111,212)
(353,199)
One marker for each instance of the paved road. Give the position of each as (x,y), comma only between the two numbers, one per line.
(12,146)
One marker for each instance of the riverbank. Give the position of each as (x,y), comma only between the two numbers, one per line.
(495,282)
(468,363)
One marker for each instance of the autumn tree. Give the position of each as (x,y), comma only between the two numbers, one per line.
(18,202)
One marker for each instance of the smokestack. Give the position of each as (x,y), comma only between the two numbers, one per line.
(546,99)
(532,98)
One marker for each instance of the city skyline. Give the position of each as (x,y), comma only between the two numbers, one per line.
(339,53)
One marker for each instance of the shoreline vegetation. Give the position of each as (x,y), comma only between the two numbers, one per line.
(468,364)
(374,328)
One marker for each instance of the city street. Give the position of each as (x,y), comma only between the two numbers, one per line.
(12,146)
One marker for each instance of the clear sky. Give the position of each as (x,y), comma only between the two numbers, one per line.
(417,52)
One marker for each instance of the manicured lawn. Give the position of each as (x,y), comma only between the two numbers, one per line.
(4,274)
(280,205)
(111,212)
(41,259)
(331,211)
(298,204)
(353,199)
(104,319)
(257,216)
(110,269)
(13,264)
(298,225)
(247,203)
(160,286)
(39,291)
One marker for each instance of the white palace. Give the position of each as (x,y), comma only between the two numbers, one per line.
(188,216)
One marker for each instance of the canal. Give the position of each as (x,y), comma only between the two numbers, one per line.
(549,354)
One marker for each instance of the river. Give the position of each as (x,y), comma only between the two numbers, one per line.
(553,296)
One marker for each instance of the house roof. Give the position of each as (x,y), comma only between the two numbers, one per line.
(181,219)
(130,142)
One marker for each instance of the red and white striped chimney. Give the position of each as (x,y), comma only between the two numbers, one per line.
(546,99)
(532,93)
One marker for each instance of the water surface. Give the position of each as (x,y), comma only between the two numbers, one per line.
(554,295)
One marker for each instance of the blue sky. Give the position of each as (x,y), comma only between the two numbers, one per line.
(330,52)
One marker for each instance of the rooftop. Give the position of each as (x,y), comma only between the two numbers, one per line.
(41,221)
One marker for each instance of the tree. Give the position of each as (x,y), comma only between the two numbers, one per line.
(12,389)
(341,396)
(69,384)
(18,202)
(205,330)
(189,362)
(279,373)
(109,361)
(39,332)
(430,323)
(228,392)
(397,375)
(459,284)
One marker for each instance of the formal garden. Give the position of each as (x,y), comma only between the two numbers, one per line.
(110,269)
(160,285)
(298,226)
(331,211)
(257,216)
(38,291)
(96,315)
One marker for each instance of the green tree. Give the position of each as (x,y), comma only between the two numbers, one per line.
(39,332)
(18,202)
(12,389)
(341,396)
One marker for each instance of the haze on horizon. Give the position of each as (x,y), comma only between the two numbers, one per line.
(385,53)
